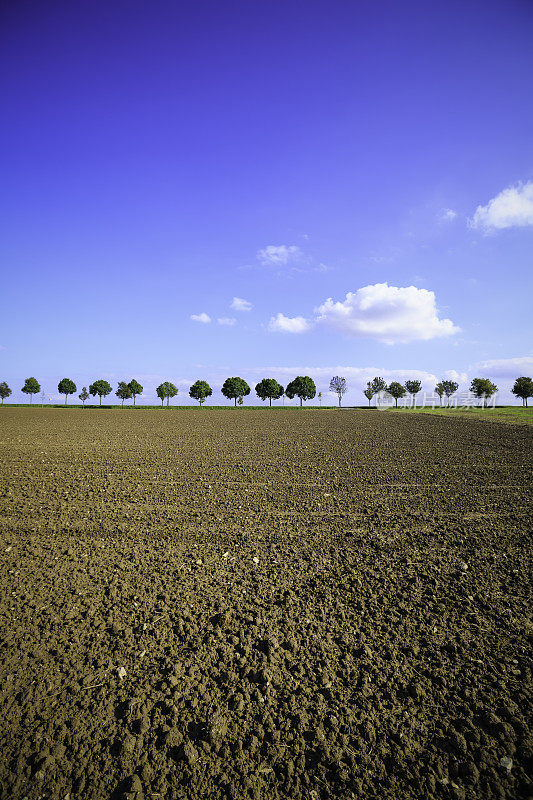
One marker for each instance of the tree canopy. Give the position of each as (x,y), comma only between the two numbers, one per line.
(413,387)
(233,388)
(449,388)
(31,387)
(135,389)
(200,390)
(269,389)
(396,390)
(303,387)
(5,391)
(483,388)
(100,388)
(377,385)
(369,392)
(66,387)
(523,388)
(166,390)
(339,386)
(123,391)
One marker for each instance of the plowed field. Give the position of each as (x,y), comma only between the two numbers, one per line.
(241,604)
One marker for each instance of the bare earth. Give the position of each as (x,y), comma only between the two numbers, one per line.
(287,604)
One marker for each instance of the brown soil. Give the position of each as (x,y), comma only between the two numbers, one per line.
(234,604)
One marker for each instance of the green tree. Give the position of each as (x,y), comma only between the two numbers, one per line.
(319,395)
(413,387)
(5,391)
(199,391)
(449,388)
(339,386)
(303,387)
(135,389)
(483,388)
(66,387)
(378,385)
(123,391)
(84,395)
(523,388)
(396,390)
(100,388)
(232,388)
(439,389)
(166,390)
(31,387)
(369,392)
(269,389)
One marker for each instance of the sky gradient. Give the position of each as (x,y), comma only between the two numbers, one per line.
(198,190)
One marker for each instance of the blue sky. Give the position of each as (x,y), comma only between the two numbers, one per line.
(359,175)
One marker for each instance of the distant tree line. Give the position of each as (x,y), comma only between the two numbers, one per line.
(303,387)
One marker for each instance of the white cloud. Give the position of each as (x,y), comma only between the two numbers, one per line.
(505,367)
(239,304)
(279,255)
(448,215)
(458,377)
(390,314)
(203,317)
(282,324)
(513,207)
(226,320)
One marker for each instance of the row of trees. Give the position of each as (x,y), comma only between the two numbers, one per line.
(482,388)
(303,387)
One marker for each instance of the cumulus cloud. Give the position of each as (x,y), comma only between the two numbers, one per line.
(458,377)
(239,304)
(282,324)
(203,317)
(390,314)
(279,255)
(226,320)
(512,207)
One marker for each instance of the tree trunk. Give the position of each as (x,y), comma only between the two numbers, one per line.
(235,402)
(269,402)
(168,400)
(31,398)
(301,402)
(133,399)
(100,396)
(339,401)
(66,395)
(396,402)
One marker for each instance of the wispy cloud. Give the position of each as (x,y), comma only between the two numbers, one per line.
(282,324)
(506,367)
(204,318)
(512,207)
(448,215)
(226,320)
(279,255)
(239,304)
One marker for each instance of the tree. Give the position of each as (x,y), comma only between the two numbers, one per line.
(166,390)
(378,385)
(369,392)
(101,388)
(339,386)
(523,388)
(66,387)
(483,388)
(449,388)
(319,395)
(123,391)
(303,387)
(84,395)
(5,391)
(396,390)
(135,389)
(439,389)
(199,391)
(233,388)
(413,387)
(31,387)
(269,389)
